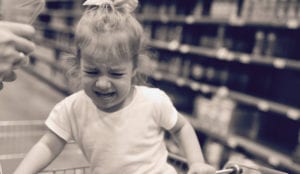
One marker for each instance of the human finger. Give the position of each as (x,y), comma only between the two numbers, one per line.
(4,67)
(22,60)
(3,72)
(7,65)
(23,30)
(23,45)
(9,55)
(1,85)
(9,76)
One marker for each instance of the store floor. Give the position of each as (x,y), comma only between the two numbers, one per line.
(24,105)
(26,99)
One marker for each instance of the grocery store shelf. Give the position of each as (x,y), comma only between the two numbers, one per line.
(54,44)
(227,55)
(63,13)
(260,151)
(231,21)
(58,28)
(261,104)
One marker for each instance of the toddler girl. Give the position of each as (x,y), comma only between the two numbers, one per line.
(118,125)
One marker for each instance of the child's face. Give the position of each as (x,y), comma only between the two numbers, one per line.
(108,82)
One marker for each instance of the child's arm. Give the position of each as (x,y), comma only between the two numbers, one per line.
(41,154)
(185,134)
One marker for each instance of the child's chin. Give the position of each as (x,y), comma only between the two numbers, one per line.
(105,107)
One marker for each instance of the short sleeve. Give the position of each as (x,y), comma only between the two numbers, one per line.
(59,121)
(166,112)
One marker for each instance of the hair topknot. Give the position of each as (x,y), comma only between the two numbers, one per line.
(124,6)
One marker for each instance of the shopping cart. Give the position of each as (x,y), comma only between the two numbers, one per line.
(1,169)
(19,136)
(230,168)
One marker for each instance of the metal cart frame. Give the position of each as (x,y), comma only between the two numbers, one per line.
(16,130)
(230,168)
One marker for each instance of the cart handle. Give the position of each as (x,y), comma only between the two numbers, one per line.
(234,169)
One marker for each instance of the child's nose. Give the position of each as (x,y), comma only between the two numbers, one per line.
(103,83)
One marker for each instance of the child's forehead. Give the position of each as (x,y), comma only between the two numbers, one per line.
(108,61)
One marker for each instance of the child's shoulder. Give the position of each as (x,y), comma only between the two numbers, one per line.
(150,92)
(75,97)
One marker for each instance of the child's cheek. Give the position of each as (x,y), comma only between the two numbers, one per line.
(87,81)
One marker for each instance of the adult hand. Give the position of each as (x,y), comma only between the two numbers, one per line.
(15,44)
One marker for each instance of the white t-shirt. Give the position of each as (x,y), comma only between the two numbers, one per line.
(128,141)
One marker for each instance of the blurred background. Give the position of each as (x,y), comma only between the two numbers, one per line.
(232,67)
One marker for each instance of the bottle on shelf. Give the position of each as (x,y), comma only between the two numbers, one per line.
(214,153)
(161,32)
(197,72)
(198,10)
(259,43)
(174,33)
(175,66)
(281,10)
(185,68)
(296,156)
(223,9)
(217,111)
(271,42)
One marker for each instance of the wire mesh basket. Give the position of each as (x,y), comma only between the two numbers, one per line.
(75,170)
(17,137)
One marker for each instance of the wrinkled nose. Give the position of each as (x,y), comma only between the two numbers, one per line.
(103,83)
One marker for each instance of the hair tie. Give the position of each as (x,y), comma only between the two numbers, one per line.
(97,3)
(126,5)
(121,5)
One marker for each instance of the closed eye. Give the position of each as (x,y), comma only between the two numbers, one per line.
(117,74)
(91,72)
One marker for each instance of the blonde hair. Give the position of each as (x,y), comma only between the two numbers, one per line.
(110,31)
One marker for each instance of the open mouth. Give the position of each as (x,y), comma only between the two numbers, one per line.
(105,95)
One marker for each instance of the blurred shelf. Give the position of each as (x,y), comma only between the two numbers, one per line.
(62,13)
(261,104)
(179,19)
(227,55)
(55,27)
(55,44)
(260,151)
(47,80)
(233,21)
(67,5)
(45,60)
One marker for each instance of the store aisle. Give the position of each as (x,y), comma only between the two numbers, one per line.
(24,105)
(27,99)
